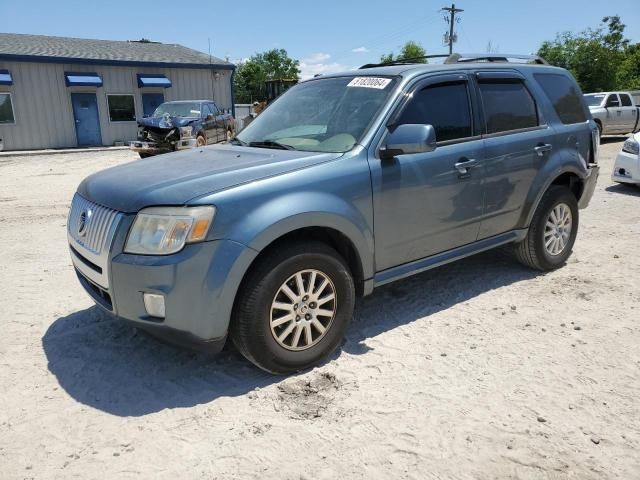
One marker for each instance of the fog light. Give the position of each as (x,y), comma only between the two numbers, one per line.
(154,304)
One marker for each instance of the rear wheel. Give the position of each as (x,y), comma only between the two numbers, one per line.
(552,232)
(293,308)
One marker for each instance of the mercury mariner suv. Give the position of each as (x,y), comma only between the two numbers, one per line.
(345,183)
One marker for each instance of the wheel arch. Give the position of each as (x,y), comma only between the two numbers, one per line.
(570,177)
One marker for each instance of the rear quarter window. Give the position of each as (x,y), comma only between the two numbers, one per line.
(564,95)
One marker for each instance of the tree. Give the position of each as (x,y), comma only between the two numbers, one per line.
(594,57)
(250,76)
(628,74)
(409,51)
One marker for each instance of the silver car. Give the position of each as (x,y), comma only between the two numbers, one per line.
(615,113)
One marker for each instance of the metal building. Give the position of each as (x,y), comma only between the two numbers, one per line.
(58,92)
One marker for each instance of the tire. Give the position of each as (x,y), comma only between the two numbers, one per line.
(201,141)
(252,329)
(532,251)
(599,125)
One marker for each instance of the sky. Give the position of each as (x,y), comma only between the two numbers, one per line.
(325,35)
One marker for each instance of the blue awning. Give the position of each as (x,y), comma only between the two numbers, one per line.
(148,80)
(5,78)
(84,79)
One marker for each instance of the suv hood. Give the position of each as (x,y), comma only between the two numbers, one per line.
(166,122)
(175,178)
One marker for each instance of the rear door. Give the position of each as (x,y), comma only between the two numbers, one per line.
(629,112)
(423,203)
(516,141)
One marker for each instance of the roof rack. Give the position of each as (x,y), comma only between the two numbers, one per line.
(463,58)
(493,57)
(404,61)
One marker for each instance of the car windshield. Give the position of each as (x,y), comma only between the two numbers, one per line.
(322,115)
(594,100)
(181,109)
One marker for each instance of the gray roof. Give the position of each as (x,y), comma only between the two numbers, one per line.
(101,51)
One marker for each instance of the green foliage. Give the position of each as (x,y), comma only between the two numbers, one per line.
(270,65)
(410,50)
(600,60)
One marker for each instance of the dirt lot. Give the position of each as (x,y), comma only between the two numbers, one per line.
(481,369)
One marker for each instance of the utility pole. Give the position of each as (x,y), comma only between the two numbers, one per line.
(450,38)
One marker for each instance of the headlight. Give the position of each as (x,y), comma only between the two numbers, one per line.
(165,230)
(631,146)
(186,132)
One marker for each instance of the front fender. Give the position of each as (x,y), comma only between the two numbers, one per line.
(298,210)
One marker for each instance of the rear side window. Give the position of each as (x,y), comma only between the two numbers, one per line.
(626,100)
(507,106)
(445,106)
(564,96)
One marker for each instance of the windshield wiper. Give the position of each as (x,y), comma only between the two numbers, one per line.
(237,141)
(271,144)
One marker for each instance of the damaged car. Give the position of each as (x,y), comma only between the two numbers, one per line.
(180,125)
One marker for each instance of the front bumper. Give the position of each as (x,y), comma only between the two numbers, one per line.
(140,146)
(198,283)
(626,168)
(593,171)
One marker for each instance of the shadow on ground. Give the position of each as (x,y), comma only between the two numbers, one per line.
(633,190)
(613,139)
(115,368)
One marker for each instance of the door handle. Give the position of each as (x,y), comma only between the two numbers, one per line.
(463,165)
(77,121)
(542,149)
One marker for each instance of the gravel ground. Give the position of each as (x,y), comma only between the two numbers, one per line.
(479,369)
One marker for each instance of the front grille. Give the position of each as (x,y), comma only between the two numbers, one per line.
(91,229)
(90,224)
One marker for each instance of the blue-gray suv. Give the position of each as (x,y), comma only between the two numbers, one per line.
(344,183)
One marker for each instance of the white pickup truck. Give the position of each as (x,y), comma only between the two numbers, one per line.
(615,113)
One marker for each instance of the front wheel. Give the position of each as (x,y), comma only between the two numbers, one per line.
(293,308)
(552,232)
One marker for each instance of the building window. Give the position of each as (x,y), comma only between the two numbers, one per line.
(6,109)
(121,108)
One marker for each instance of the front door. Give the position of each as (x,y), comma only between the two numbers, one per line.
(85,113)
(423,203)
(629,112)
(151,101)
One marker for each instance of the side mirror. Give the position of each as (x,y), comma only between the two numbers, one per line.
(407,139)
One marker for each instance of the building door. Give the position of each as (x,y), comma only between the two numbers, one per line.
(85,113)
(151,101)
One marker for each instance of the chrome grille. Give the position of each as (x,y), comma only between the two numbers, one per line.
(97,224)
(90,238)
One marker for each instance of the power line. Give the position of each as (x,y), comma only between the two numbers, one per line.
(450,37)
